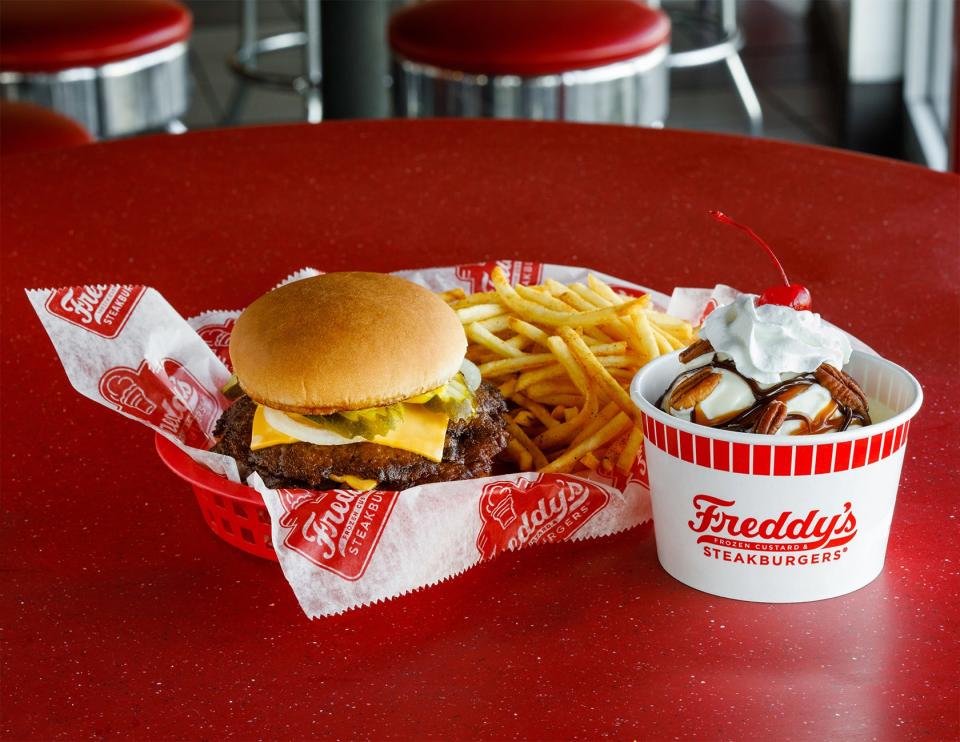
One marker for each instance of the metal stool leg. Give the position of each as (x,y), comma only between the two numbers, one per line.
(748,96)
(244,61)
(312,61)
(741,81)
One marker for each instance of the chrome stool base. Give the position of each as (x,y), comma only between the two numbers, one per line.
(244,60)
(635,92)
(725,47)
(145,93)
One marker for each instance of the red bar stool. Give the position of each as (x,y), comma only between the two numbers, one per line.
(25,127)
(118,68)
(573,60)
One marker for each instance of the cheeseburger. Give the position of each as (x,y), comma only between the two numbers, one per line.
(357,380)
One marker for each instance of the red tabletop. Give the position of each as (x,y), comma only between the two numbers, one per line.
(124,616)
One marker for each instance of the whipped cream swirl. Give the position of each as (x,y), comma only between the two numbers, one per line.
(770,341)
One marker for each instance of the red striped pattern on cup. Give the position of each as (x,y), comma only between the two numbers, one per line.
(765,459)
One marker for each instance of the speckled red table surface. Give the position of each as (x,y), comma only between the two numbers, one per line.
(123,616)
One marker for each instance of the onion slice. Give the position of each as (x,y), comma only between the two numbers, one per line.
(304,431)
(471,375)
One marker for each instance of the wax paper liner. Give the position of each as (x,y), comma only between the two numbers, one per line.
(127,348)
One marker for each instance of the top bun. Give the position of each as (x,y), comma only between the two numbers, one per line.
(345,341)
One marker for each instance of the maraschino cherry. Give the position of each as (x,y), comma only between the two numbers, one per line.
(791,295)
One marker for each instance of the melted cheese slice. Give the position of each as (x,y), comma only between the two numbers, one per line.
(421,431)
(354,483)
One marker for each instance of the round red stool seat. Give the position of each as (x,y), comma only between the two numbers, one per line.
(51,35)
(526,37)
(25,127)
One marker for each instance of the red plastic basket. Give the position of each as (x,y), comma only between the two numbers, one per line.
(233,511)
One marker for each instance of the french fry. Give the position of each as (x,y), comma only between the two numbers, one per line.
(663,346)
(591,297)
(506,366)
(564,357)
(529,378)
(678,327)
(590,461)
(541,298)
(481,297)
(554,287)
(553,317)
(599,374)
(518,341)
(601,289)
(564,400)
(524,328)
(630,449)
(479,312)
(520,455)
(577,302)
(549,388)
(495,324)
(608,349)
(524,418)
(603,417)
(480,334)
(539,460)
(538,410)
(673,343)
(506,389)
(571,456)
(453,295)
(648,344)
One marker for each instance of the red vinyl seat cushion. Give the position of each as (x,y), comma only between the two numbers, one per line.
(25,127)
(526,37)
(51,35)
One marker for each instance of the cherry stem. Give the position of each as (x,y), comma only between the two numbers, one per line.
(724,219)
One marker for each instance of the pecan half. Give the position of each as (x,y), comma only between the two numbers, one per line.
(772,418)
(696,350)
(842,388)
(694,389)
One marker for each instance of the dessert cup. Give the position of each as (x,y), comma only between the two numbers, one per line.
(777,519)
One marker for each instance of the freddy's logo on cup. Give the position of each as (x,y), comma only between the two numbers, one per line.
(518,271)
(102,310)
(172,400)
(548,509)
(726,535)
(337,530)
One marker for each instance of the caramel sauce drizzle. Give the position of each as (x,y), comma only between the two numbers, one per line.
(744,420)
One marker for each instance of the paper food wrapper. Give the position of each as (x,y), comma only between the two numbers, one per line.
(127,348)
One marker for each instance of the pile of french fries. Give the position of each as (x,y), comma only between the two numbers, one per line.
(563,357)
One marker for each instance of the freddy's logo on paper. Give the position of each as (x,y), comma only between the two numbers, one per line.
(217,338)
(102,310)
(547,509)
(517,271)
(337,530)
(172,400)
(789,539)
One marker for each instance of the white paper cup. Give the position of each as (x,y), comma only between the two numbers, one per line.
(778,519)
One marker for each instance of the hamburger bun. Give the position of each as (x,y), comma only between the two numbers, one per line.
(345,341)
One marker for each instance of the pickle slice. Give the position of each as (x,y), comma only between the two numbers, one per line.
(368,423)
(455,399)
(455,409)
(232,390)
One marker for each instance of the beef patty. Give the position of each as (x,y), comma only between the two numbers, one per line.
(468,451)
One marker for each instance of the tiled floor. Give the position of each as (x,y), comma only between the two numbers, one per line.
(788,69)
